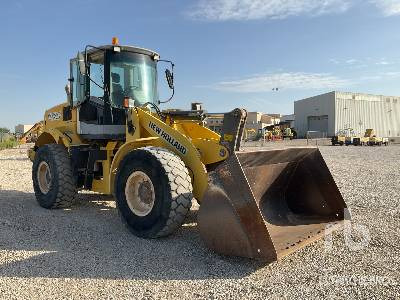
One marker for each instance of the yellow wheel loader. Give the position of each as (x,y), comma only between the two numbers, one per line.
(373,140)
(31,135)
(339,138)
(111,137)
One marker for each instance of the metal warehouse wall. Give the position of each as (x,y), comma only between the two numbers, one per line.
(312,107)
(350,110)
(362,111)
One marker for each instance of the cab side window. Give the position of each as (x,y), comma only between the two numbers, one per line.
(97,75)
(96,71)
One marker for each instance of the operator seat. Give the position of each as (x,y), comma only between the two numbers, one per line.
(117,92)
(92,123)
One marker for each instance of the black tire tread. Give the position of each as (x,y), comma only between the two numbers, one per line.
(67,190)
(181,188)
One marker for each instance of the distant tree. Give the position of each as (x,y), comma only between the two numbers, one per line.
(4,130)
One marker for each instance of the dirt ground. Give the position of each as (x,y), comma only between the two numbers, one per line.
(86,251)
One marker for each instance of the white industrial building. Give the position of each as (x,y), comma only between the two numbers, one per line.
(289,118)
(334,111)
(20,129)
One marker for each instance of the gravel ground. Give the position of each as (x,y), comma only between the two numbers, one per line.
(86,252)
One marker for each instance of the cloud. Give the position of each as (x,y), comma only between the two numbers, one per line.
(380,76)
(391,74)
(383,63)
(293,80)
(388,7)
(362,62)
(223,10)
(351,61)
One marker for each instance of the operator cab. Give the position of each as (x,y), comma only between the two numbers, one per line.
(113,76)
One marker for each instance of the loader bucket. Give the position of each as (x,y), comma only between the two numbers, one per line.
(268,204)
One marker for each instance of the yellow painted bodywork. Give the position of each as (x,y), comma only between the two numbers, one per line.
(62,132)
(196,145)
(372,138)
(364,139)
(205,141)
(57,131)
(341,138)
(176,137)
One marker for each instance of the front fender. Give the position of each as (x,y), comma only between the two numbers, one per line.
(178,143)
(124,150)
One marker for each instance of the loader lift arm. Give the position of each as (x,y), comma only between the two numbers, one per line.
(233,128)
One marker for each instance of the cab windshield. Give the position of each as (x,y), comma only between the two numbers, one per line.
(132,75)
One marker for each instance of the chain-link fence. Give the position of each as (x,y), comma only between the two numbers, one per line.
(317,138)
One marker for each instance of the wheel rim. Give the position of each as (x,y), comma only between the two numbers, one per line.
(44,177)
(139,193)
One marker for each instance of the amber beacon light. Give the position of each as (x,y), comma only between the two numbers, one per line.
(115,41)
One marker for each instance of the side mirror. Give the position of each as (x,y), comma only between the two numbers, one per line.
(82,63)
(68,92)
(170,78)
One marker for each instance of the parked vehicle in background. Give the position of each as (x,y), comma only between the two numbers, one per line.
(32,134)
(374,140)
(360,141)
(288,133)
(343,137)
(370,139)
(338,140)
(278,132)
(350,135)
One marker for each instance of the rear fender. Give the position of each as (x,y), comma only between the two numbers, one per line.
(49,136)
(52,136)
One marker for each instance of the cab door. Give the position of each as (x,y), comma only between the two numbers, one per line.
(77,83)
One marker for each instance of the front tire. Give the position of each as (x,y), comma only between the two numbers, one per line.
(52,177)
(153,192)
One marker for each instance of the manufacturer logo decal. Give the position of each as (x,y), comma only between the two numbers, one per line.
(165,136)
(53,116)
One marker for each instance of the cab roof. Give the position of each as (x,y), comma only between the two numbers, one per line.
(125,48)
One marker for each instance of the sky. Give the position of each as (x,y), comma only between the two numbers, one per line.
(227,53)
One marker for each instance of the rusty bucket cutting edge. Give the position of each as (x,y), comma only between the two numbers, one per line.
(267,204)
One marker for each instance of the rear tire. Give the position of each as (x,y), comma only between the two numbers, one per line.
(167,195)
(52,177)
